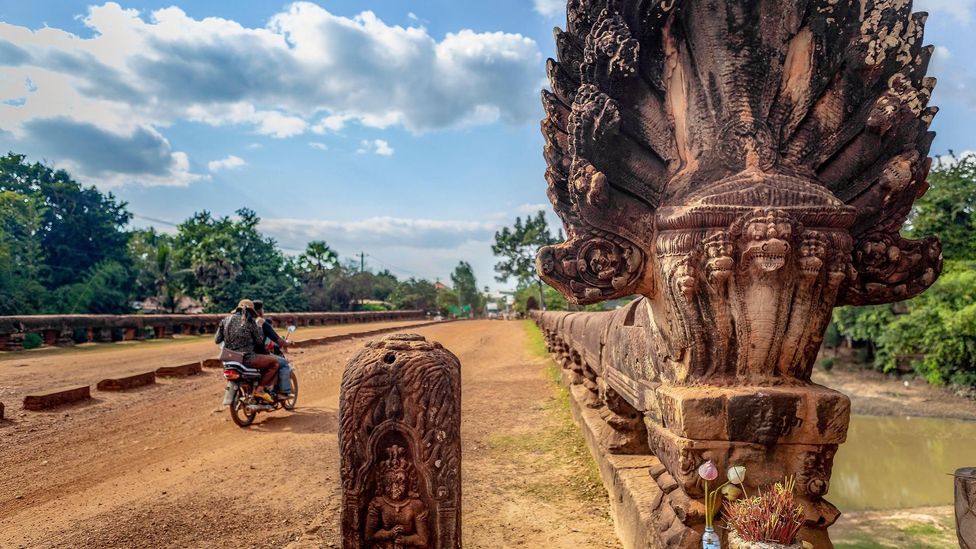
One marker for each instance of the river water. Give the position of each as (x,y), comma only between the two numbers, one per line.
(900,462)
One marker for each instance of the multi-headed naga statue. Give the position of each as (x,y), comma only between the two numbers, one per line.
(745,166)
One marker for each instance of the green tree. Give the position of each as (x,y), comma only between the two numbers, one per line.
(466,286)
(317,261)
(416,294)
(936,331)
(22,264)
(447,298)
(81,228)
(105,290)
(157,272)
(230,260)
(517,247)
(948,208)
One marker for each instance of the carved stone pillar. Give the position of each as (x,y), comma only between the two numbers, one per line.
(400,446)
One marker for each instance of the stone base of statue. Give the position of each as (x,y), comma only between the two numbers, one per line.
(649,506)
(400,446)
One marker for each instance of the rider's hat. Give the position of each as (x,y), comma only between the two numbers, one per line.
(244,304)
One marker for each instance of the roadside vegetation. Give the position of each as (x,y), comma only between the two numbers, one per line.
(67,248)
(934,334)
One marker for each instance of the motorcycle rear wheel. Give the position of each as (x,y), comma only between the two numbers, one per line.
(238,410)
(291,402)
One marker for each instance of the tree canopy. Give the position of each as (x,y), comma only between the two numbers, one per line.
(517,246)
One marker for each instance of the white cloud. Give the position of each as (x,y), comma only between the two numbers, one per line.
(412,16)
(532,209)
(317,145)
(230,163)
(387,231)
(948,160)
(375,146)
(307,70)
(959,10)
(550,8)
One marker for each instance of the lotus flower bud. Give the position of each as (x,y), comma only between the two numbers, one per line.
(737,474)
(731,492)
(708,471)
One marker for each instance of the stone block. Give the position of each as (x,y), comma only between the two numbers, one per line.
(184,370)
(807,414)
(128,382)
(52,399)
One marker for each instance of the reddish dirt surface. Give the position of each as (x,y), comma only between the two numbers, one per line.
(164,466)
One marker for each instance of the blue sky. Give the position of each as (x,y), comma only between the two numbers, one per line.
(408,130)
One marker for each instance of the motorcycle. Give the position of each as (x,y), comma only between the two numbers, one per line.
(239,393)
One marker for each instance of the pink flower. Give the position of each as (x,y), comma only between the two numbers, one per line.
(708,471)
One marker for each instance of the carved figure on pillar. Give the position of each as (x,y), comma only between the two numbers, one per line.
(400,446)
(397,517)
(745,166)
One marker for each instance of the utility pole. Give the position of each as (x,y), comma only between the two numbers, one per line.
(362,262)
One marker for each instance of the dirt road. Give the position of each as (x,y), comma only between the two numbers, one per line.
(164,466)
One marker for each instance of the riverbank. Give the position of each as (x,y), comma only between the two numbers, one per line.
(922,528)
(875,394)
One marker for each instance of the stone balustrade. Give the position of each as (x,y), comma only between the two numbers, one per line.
(66,330)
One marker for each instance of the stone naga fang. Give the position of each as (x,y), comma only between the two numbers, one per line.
(745,166)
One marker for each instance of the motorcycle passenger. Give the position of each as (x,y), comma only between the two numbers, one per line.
(239,332)
(279,343)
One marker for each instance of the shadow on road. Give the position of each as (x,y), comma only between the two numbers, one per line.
(302,420)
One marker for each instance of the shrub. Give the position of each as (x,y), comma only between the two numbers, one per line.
(832,337)
(827,364)
(772,516)
(32,341)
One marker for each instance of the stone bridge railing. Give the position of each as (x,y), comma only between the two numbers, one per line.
(66,330)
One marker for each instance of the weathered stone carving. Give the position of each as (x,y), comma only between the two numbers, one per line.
(745,166)
(965,497)
(400,446)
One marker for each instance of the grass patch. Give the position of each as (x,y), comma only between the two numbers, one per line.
(861,545)
(556,445)
(921,530)
(534,340)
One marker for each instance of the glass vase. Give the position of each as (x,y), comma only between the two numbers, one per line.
(710,539)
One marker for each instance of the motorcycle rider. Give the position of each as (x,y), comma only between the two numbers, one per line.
(239,332)
(284,369)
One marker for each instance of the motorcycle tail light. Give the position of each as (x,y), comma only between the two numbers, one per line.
(231,374)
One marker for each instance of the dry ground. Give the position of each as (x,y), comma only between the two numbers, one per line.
(875,394)
(165,467)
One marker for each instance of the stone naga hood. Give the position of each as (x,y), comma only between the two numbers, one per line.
(744,164)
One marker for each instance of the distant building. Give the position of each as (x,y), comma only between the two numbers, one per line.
(153,306)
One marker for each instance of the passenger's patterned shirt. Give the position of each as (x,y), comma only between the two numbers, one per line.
(240,335)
